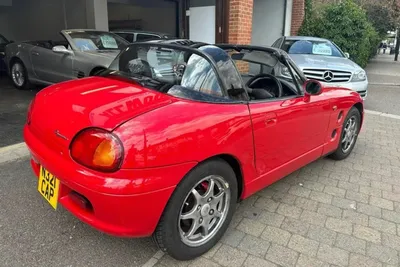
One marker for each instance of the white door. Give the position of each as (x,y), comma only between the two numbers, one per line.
(268,21)
(202,24)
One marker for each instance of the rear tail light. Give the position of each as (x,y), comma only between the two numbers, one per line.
(97,149)
(29,112)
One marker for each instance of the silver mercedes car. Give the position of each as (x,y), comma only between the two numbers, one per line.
(323,60)
(77,54)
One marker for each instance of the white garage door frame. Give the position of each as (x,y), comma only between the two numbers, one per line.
(271,20)
(202,24)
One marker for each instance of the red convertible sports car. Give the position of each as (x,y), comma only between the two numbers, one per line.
(169,138)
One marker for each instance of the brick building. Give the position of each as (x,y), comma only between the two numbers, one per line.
(245,27)
(258,22)
(297,16)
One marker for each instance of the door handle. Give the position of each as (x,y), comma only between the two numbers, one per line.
(269,122)
(270,119)
(35,53)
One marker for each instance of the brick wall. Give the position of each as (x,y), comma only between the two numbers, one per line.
(240,21)
(297,16)
(240,26)
(241,17)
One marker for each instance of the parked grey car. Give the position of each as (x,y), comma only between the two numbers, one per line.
(3,43)
(79,54)
(141,36)
(322,60)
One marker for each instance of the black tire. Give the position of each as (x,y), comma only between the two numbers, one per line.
(342,153)
(26,84)
(167,234)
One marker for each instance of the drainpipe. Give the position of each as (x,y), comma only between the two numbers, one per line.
(65,15)
(284,19)
(287,17)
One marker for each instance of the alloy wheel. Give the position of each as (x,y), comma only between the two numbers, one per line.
(204,210)
(17,74)
(349,134)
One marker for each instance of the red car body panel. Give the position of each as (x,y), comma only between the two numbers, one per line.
(196,130)
(124,203)
(90,102)
(165,137)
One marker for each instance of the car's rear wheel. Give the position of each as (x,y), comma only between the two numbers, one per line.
(19,75)
(199,211)
(348,138)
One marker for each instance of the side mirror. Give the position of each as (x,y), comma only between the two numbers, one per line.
(347,55)
(313,87)
(11,41)
(61,50)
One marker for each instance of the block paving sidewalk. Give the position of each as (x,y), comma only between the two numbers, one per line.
(328,214)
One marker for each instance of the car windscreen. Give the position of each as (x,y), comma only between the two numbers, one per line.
(95,40)
(169,66)
(252,63)
(311,47)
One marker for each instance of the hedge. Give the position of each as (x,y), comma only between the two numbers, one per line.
(347,25)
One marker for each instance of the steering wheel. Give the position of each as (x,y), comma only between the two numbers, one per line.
(278,91)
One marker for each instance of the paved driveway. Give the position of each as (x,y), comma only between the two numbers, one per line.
(13,106)
(384,89)
(32,234)
(384,98)
(327,214)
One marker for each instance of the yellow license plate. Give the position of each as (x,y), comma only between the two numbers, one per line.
(48,187)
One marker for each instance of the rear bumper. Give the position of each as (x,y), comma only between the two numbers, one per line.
(128,207)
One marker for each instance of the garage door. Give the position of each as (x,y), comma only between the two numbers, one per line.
(268,21)
(147,15)
(202,20)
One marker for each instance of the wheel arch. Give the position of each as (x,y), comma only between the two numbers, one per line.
(165,239)
(360,107)
(236,167)
(28,72)
(13,60)
(234,163)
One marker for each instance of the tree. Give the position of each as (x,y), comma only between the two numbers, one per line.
(392,6)
(383,14)
(381,18)
(347,25)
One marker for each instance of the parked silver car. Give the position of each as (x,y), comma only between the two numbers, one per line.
(79,54)
(323,60)
(141,36)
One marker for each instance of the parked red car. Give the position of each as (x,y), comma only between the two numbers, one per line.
(171,137)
